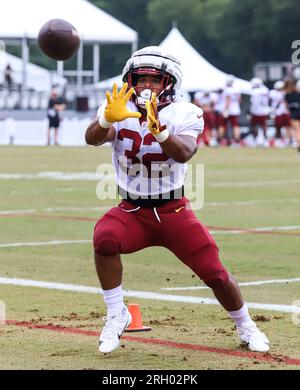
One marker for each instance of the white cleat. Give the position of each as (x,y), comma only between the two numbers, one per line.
(251,336)
(115,324)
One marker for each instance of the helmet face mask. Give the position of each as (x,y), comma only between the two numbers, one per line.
(151,61)
(164,90)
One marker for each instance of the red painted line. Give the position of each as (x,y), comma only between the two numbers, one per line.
(266,357)
(66,217)
(91,219)
(46,216)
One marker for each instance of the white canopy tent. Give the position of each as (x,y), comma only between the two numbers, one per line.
(38,78)
(198,74)
(93,24)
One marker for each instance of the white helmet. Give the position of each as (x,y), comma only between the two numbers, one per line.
(298,85)
(154,61)
(279,85)
(256,82)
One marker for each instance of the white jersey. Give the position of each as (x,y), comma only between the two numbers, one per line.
(141,167)
(218,101)
(278,102)
(234,104)
(203,99)
(260,101)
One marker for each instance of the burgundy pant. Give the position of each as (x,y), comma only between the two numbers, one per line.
(173,226)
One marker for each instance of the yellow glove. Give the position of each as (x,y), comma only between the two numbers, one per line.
(159,132)
(116,109)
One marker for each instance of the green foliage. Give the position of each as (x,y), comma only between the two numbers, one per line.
(231,34)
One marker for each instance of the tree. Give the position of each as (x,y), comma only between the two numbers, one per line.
(231,34)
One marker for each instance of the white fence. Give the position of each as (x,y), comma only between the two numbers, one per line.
(34,132)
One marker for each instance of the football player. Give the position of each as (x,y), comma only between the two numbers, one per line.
(259,110)
(280,113)
(204,101)
(231,112)
(147,129)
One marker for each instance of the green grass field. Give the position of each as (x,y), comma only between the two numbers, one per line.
(244,189)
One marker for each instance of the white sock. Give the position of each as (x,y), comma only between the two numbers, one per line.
(113,299)
(240,316)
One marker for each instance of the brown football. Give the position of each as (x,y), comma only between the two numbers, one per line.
(58,39)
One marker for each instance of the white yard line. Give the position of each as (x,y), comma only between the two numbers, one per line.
(56,175)
(210,204)
(257,283)
(272,228)
(252,202)
(93,176)
(45,243)
(142,294)
(5,212)
(261,229)
(54,209)
(237,171)
(63,242)
(104,208)
(248,184)
(222,232)
(46,191)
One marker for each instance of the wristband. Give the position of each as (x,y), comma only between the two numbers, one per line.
(162,136)
(104,123)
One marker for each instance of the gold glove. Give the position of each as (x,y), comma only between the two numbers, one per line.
(116,109)
(154,126)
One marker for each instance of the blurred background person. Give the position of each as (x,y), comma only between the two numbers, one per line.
(259,111)
(217,109)
(56,106)
(292,99)
(231,113)
(280,114)
(204,101)
(8,78)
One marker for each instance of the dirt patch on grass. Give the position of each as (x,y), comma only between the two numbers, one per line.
(260,318)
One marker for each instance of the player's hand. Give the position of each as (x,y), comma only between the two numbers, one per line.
(154,126)
(152,115)
(116,110)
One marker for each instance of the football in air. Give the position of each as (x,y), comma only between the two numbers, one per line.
(58,39)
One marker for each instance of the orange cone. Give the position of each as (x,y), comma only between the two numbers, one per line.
(136,323)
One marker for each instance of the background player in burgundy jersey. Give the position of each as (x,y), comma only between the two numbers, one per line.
(149,131)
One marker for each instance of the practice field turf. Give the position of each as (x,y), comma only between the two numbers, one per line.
(252,207)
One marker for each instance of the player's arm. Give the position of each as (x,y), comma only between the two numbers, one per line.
(97,135)
(179,147)
(102,130)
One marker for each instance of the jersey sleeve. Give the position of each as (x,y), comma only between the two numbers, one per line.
(189,120)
